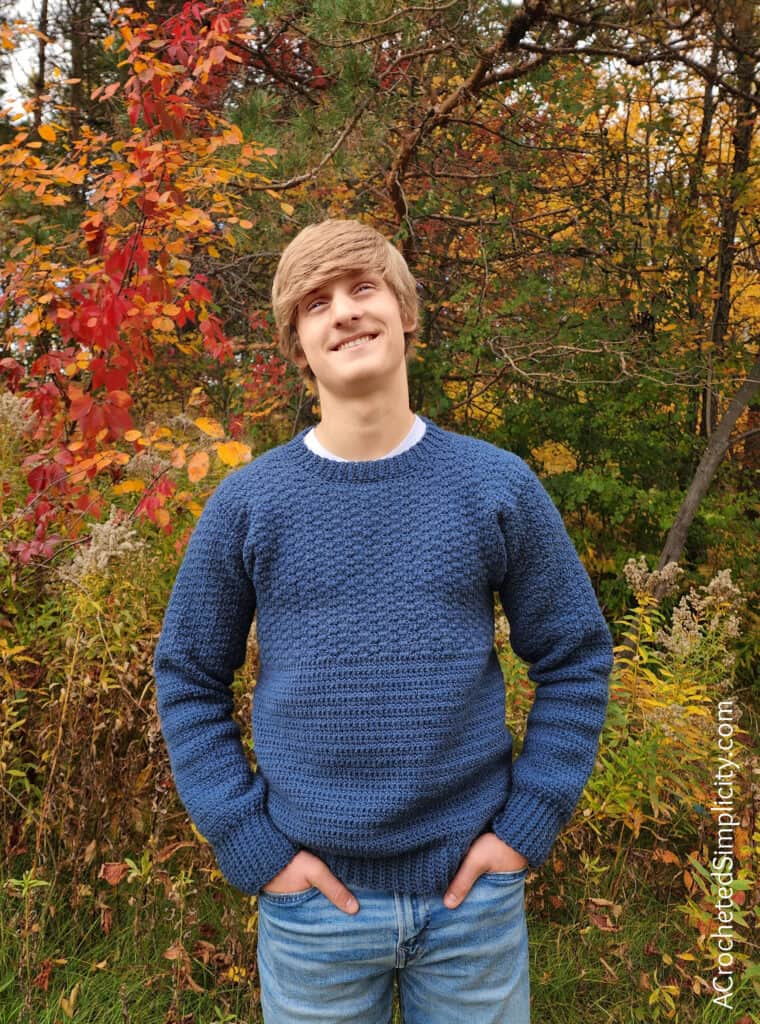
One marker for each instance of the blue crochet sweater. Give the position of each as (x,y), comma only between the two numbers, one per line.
(379,708)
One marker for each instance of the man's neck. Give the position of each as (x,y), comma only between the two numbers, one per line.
(362,435)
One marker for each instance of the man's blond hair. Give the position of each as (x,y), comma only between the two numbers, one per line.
(330,249)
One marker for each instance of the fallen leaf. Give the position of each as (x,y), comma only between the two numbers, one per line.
(113,872)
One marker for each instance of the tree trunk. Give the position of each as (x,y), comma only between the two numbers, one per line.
(708,464)
(39,79)
(744,39)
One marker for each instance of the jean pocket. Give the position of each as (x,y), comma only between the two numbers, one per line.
(288,899)
(506,876)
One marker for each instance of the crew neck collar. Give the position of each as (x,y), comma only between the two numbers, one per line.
(429,445)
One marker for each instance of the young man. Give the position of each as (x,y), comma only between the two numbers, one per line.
(387,829)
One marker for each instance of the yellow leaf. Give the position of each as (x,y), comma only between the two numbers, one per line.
(67,1005)
(159,432)
(132,435)
(233,453)
(210,427)
(556,457)
(189,350)
(287,208)
(197,467)
(196,833)
(162,517)
(47,132)
(128,486)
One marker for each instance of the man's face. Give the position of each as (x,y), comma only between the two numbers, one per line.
(357,305)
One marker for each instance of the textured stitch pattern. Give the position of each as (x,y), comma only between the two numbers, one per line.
(379,709)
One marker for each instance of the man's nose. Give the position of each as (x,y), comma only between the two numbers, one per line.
(345,307)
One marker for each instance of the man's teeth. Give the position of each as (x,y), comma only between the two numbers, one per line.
(356,341)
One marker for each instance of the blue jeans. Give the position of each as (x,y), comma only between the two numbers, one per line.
(319,964)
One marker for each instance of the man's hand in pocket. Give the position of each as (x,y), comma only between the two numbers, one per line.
(306,870)
(487,853)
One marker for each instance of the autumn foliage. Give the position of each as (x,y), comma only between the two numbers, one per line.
(98,301)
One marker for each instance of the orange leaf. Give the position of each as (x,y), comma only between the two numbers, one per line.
(47,132)
(178,456)
(197,467)
(666,856)
(168,851)
(113,871)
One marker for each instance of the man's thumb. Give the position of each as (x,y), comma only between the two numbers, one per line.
(342,897)
(458,888)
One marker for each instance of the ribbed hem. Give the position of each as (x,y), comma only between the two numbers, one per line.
(422,872)
(433,443)
(529,826)
(253,853)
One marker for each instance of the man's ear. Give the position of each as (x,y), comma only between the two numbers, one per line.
(298,355)
(408,323)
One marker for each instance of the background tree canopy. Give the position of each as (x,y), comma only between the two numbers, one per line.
(575,187)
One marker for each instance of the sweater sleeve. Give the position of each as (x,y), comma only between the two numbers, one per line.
(557,627)
(202,643)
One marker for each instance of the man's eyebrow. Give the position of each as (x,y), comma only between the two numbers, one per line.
(351,273)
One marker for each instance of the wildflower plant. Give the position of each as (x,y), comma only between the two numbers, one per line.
(15,415)
(108,541)
(654,764)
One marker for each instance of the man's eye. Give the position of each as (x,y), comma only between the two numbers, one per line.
(315,302)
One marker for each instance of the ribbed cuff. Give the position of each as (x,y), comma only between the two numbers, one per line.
(529,826)
(253,852)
